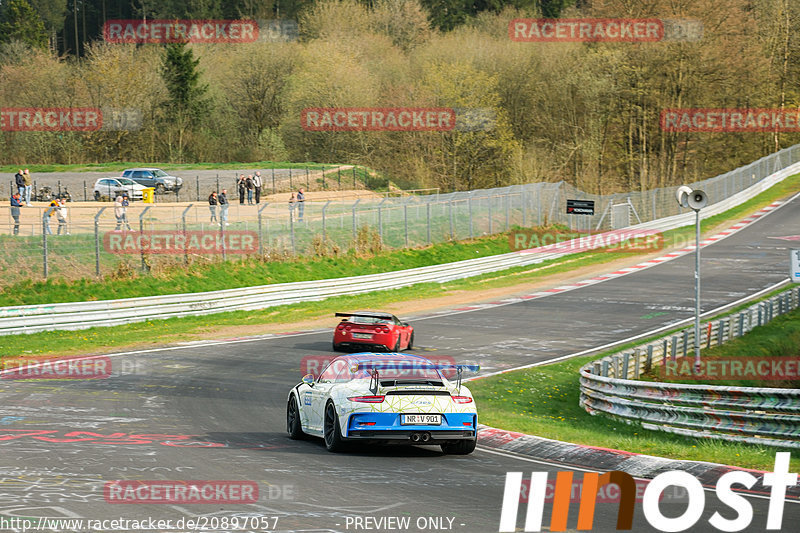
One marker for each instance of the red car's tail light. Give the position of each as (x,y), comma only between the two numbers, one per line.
(462,399)
(348,328)
(366,399)
(340,327)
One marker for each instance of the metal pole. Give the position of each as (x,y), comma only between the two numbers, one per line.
(380,219)
(428,215)
(405,220)
(141,231)
(84,190)
(217,183)
(260,236)
(183,222)
(307,187)
(273,180)
(469,206)
(491,215)
(524,207)
(44,241)
(197,184)
(697,292)
(452,233)
(325,207)
(354,218)
(97,241)
(354,176)
(291,232)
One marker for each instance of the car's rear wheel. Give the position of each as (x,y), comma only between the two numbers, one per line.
(411,341)
(97,195)
(460,447)
(293,426)
(333,435)
(397,344)
(336,347)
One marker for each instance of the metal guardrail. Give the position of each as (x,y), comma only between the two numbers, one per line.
(82,315)
(771,416)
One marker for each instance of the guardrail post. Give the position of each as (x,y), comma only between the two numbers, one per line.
(674,347)
(625,358)
(760,312)
(649,362)
(183,223)
(97,241)
(664,352)
(596,368)
(741,324)
(324,208)
(720,332)
(685,341)
(260,235)
(354,220)
(605,368)
(141,232)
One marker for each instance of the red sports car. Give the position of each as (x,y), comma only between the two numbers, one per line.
(372,330)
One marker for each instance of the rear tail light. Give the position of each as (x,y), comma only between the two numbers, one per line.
(366,399)
(340,327)
(366,423)
(462,399)
(348,328)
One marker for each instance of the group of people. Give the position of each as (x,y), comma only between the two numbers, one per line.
(57,208)
(296,200)
(251,185)
(24,185)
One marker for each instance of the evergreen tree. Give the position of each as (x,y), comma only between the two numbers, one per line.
(182,78)
(20,22)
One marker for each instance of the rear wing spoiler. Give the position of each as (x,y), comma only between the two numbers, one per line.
(373,315)
(375,366)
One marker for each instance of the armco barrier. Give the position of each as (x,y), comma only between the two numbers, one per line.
(82,315)
(771,416)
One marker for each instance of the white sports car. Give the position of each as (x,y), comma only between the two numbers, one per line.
(398,398)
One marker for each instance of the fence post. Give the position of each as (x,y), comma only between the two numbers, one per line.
(217,183)
(469,208)
(649,362)
(524,208)
(685,341)
(507,201)
(44,241)
(741,324)
(354,219)
(720,332)
(354,177)
(428,215)
(760,306)
(452,232)
(674,347)
(491,216)
(183,223)
(380,218)
(291,185)
(325,207)
(141,231)
(291,232)
(405,221)
(197,184)
(605,368)
(84,190)
(97,240)
(625,358)
(273,179)
(260,235)
(308,188)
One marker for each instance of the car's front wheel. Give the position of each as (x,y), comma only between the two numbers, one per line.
(97,195)
(411,341)
(460,447)
(293,426)
(333,435)
(160,189)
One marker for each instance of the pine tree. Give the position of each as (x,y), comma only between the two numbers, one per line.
(20,22)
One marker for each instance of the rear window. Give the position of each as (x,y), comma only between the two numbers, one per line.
(398,370)
(369,320)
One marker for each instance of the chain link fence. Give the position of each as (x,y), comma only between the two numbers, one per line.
(331,222)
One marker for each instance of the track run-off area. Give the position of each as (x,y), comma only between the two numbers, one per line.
(217,411)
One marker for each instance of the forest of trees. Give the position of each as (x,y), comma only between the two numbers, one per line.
(587,113)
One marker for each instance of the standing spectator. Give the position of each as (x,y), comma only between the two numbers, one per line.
(51,210)
(257,183)
(26,177)
(16,203)
(223,207)
(121,212)
(242,185)
(212,205)
(61,215)
(301,199)
(292,201)
(19,180)
(250,188)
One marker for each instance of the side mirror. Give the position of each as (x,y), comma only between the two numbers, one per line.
(308,379)
(405,324)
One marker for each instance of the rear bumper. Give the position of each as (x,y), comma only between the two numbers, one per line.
(388,426)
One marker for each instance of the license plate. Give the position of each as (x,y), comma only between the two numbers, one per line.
(425,420)
(362,336)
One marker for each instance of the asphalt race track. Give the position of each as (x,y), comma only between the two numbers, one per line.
(216,411)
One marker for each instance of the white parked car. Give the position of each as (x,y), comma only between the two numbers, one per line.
(113,187)
(385,398)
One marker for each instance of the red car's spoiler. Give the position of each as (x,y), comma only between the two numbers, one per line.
(366,315)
